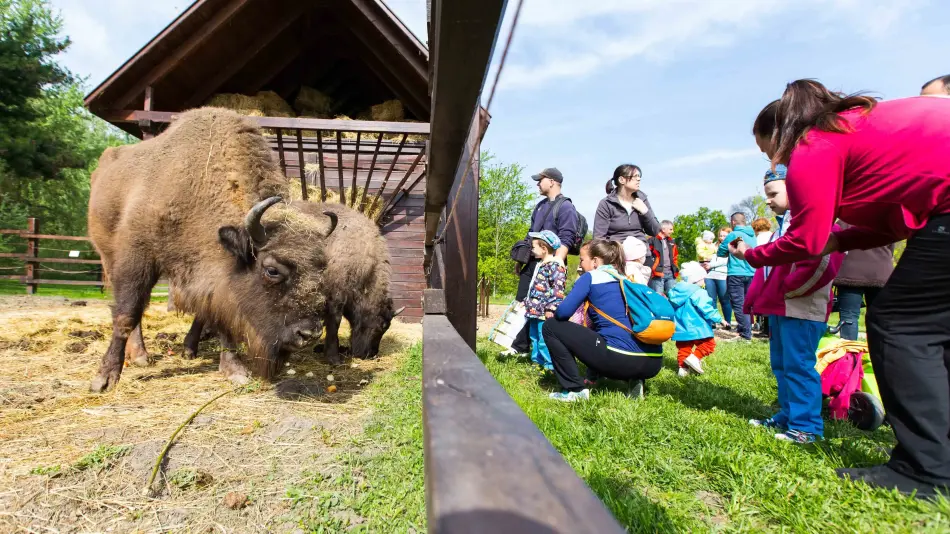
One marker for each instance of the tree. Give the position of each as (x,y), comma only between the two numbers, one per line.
(754,208)
(29,42)
(689,227)
(504,216)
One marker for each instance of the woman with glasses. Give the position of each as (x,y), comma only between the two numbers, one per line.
(625,211)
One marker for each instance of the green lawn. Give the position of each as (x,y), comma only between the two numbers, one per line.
(10,287)
(685,459)
(379,477)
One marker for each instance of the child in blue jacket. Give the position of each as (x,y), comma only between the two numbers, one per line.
(694,314)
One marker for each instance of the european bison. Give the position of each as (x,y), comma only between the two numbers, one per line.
(200,205)
(358,273)
(358,276)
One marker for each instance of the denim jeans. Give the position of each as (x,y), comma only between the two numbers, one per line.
(663,285)
(849,308)
(717,292)
(792,355)
(738,286)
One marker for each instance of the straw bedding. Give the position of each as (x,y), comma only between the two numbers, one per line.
(75,461)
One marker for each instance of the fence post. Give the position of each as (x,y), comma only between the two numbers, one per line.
(32,227)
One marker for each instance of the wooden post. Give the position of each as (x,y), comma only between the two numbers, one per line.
(32,227)
(148,129)
(302,165)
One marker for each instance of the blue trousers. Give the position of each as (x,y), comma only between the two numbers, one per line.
(717,292)
(849,308)
(539,349)
(663,285)
(792,349)
(738,286)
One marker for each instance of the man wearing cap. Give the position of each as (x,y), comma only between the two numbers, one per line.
(564,227)
(549,186)
(937,87)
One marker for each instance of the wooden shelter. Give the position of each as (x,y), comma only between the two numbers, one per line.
(355,52)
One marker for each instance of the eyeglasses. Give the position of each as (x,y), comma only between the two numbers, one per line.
(633,176)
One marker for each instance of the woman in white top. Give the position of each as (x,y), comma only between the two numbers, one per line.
(716,279)
(763,231)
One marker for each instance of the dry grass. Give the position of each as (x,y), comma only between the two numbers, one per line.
(257,443)
(371,209)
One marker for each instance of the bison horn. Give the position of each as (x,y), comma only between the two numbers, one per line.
(333,221)
(400,310)
(252,221)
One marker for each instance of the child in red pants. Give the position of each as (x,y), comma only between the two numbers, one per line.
(694,314)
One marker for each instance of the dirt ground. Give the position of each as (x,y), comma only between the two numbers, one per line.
(73,461)
(485,324)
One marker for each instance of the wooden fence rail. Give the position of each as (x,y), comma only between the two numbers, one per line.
(34,263)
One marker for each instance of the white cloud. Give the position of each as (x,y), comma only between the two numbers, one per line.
(568,38)
(709,156)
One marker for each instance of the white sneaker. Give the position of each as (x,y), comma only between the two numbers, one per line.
(510,352)
(571,396)
(694,363)
(682,372)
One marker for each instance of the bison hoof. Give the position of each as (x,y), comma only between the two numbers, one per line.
(190,353)
(141,360)
(101,384)
(239,379)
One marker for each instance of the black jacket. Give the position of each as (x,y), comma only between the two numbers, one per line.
(614,223)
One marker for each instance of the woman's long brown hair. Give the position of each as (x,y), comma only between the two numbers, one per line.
(609,252)
(804,105)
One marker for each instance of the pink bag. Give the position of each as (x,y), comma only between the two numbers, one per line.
(580,316)
(839,380)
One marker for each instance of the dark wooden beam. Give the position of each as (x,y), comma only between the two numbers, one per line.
(242,57)
(464,33)
(409,93)
(488,469)
(194,41)
(371,12)
(290,123)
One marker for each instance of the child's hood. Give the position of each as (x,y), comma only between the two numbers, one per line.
(681,292)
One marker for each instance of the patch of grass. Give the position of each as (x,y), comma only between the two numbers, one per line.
(686,460)
(103,456)
(377,485)
(51,470)
(10,287)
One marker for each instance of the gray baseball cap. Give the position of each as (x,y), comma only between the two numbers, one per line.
(551,173)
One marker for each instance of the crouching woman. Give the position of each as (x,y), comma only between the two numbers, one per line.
(607,348)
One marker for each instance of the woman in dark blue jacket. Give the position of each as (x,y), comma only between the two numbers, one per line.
(605,348)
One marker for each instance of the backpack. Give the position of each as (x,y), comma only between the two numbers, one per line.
(580,227)
(650,313)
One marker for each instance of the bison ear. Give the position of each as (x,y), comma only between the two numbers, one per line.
(237,242)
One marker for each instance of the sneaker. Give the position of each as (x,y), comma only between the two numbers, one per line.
(682,372)
(590,383)
(797,437)
(765,423)
(571,396)
(511,352)
(637,389)
(694,363)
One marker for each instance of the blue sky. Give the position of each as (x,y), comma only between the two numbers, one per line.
(670,85)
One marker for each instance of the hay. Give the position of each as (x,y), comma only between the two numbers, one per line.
(388,111)
(371,209)
(313,103)
(243,104)
(272,105)
(258,442)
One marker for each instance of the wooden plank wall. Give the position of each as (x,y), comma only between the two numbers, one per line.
(403,227)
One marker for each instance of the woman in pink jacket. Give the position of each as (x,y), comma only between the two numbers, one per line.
(884,168)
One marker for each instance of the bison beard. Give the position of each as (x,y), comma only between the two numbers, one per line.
(199,204)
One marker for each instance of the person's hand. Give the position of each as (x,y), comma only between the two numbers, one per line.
(548,315)
(738,250)
(832,245)
(724,324)
(640,206)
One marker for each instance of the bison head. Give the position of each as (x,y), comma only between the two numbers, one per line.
(276,283)
(367,326)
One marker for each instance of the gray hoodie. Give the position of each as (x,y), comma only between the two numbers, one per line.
(614,223)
